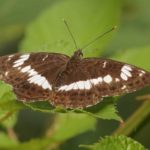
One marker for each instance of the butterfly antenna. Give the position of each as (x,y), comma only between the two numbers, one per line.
(70,33)
(99,37)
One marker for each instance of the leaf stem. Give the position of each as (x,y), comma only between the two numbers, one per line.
(135,120)
(8,114)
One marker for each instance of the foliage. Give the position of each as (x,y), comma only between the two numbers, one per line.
(48,32)
(116,143)
(45,31)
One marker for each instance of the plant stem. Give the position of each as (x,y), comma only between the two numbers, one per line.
(8,114)
(135,120)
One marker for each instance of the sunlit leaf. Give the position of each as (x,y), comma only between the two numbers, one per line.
(8,105)
(14,16)
(103,110)
(71,124)
(6,142)
(64,127)
(134,29)
(135,56)
(120,142)
(86,21)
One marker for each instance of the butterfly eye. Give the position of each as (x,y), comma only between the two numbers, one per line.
(81,54)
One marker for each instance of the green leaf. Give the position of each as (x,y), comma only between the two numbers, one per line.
(65,126)
(120,142)
(8,98)
(70,124)
(21,12)
(10,33)
(86,20)
(8,119)
(6,142)
(8,105)
(14,16)
(134,29)
(135,56)
(104,110)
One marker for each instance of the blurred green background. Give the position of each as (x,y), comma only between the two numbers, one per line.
(35,25)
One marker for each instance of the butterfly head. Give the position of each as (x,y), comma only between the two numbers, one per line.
(78,55)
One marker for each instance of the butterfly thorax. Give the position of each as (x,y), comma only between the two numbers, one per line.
(74,61)
(71,67)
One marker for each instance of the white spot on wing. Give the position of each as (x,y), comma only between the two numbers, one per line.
(94,81)
(81,85)
(75,86)
(46,85)
(10,57)
(104,64)
(127,67)
(143,71)
(32,72)
(117,79)
(25,56)
(100,79)
(39,80)
(141,74)
(70,87)
(21,60)
(36,78)
(123,87)
(88,84)
(45,57)
(18,64)
(123,76)
(6,73)
(26,69)
(126,72)
(107,79)
(62,88)
(19,68)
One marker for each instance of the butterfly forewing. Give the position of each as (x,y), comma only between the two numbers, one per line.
(32,75)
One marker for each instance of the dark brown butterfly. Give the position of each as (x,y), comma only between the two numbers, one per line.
(74,82)
(71,82)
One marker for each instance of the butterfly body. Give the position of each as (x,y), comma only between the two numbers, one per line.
(71,82)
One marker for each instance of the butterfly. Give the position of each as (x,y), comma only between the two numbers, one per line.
(70,82)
